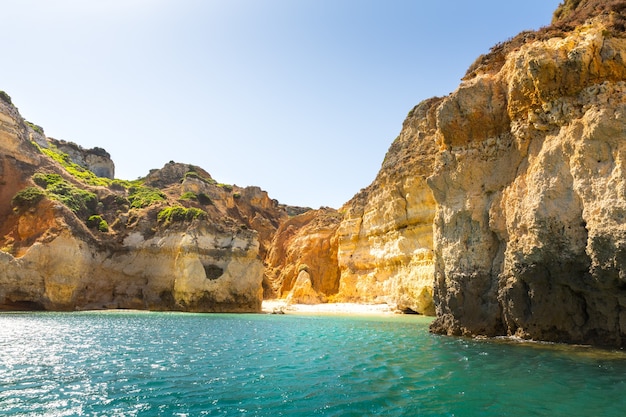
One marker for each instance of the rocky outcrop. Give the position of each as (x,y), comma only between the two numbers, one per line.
(302,291)
(379,247)
(531,193)
(385,251)
(175,240)
(197,269)
(96,160)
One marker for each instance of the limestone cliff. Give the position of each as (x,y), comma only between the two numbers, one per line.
(530,187)
(385,251)
(507,199)
(71,239)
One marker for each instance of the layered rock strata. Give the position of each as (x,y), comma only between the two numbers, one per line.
(197,269)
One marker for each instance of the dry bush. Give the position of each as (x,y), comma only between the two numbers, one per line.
(569,15)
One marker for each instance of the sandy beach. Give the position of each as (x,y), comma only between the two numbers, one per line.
(278,306)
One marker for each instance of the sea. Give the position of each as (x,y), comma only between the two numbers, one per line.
(128,363)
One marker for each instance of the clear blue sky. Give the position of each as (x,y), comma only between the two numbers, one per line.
(299,97)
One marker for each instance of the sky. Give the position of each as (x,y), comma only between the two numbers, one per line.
(299,97)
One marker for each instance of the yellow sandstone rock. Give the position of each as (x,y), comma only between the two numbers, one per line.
(531,195)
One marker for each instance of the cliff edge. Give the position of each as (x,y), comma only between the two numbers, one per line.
(530,186)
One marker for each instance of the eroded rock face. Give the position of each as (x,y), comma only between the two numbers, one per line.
(380,248)
(303,292)
(385,239)
(309,241)
(531,195)
(199,270)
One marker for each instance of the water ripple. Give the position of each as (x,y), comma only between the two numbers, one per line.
(153,364)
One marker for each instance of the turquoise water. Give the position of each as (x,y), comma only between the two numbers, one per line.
(177,364)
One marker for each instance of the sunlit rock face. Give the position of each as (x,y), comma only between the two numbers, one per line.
(531,199)
(199,270)
(308,242)
(385,239)
(378,248)
(96,160)
(303,291)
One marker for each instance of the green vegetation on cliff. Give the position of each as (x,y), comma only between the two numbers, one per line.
(5,97)
(97,222)
(180,214)
(141,197)
(81,202)
(74,169)
(27,198)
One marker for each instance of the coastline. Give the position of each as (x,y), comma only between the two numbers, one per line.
(280,306)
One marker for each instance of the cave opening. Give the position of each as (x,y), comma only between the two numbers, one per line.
(213,272)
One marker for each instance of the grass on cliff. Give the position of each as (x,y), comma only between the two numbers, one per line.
(97,222)
(180,214)
(81,173)
(140,196)
(5,97)
(27,198)
(195,175)
(81,202)
(201,198)
(74,169)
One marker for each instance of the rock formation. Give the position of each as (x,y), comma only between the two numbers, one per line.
(531,191)
(176,240)
(385,251)
(96,160)
(379,247)
(302,291)
(510,193)
(306,241)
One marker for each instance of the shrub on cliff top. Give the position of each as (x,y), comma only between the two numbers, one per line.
(81,202)
(5,97)
(35,127)
(45,180)
(27,198)
(188,196)
(195,175)
(180,214)
(226,187)
(98,222)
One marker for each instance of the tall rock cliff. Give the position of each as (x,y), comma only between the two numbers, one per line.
(531,189)
(385,251)
(378,248)
(175,240)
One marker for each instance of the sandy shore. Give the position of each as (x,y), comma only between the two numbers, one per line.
(277,306)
